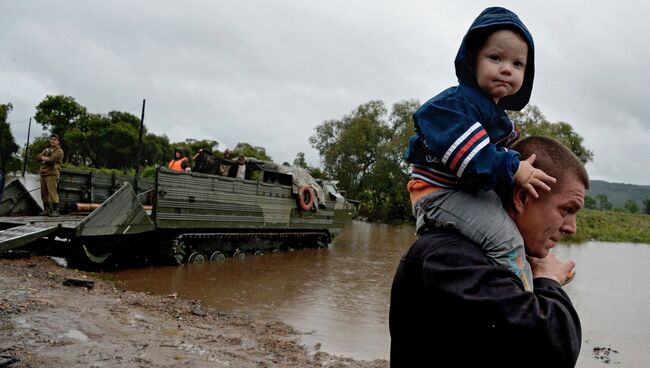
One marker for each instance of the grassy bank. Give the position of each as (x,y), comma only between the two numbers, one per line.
(612,226)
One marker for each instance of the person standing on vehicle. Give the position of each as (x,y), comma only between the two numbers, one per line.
(50,160)
(241,168)
(224,167)
(179,162)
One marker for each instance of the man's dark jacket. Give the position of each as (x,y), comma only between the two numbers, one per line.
(451,307)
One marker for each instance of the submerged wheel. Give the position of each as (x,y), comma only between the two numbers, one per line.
(177,251)
(259,253)
(322,241)
(275,251)
(217,256)
(196,258)
(239,255)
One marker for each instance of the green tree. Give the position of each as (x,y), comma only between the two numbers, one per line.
(402,127)
(248,150)
(590,203)
(317,173)
(300,160)
(631,206)
(111,141)
(103,140)
(193,146)
(646,204)
(390,176)
(603,202)
(531,121)
(349,147)
(8,146)
(59,114)
(156,149)
(363,151)
(108,141)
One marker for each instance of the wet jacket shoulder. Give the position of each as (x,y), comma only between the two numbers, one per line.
(451,307)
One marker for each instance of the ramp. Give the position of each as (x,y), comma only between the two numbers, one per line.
(17,200)
(24,234)
(120,214)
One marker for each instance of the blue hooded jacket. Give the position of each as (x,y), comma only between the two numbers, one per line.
(461,135)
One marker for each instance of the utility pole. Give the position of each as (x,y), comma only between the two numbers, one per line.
(29,130)
(140,164)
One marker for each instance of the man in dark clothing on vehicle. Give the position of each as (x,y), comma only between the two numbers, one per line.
(451,306)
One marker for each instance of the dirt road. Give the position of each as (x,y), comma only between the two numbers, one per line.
(46,324)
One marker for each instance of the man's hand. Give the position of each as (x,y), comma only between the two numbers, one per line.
(552,268)
(529,177)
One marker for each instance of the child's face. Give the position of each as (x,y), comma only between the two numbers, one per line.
(501,63)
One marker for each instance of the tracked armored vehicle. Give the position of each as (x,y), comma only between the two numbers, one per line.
(180,216)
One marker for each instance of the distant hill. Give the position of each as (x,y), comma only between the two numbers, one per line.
(618,193)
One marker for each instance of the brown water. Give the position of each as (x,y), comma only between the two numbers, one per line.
(340,296)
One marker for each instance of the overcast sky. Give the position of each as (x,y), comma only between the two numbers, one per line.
(268,72)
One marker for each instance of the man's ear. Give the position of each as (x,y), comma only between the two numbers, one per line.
(519,199)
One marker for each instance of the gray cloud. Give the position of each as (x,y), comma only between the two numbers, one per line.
(268,72)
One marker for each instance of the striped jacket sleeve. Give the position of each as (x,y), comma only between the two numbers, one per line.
(454,134)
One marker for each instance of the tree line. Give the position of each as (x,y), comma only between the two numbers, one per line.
(101,141)
(601,202)
(363,150)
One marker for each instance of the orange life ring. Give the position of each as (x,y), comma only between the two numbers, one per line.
(306,197)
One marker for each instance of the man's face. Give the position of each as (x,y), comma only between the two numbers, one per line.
(501,64)
(544,220)
(54,142)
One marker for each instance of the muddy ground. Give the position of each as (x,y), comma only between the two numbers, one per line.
(44,323)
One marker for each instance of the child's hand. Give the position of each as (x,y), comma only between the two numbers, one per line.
(529,177)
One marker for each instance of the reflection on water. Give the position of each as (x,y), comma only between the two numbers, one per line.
(610,293)
(340,296)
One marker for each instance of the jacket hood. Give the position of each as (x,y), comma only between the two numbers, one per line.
(490,20)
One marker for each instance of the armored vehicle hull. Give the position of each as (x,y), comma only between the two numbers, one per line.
(182,216)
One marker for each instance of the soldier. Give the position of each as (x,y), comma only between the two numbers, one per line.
(50,171)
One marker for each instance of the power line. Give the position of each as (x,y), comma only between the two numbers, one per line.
(19,121)
(138,106)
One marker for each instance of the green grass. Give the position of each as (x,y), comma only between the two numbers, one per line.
(611,226)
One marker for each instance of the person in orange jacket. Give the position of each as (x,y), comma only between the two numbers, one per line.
(179,162)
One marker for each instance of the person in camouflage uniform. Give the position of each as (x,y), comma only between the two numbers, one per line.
(50,171)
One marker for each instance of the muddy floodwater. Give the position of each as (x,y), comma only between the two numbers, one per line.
(339,297)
